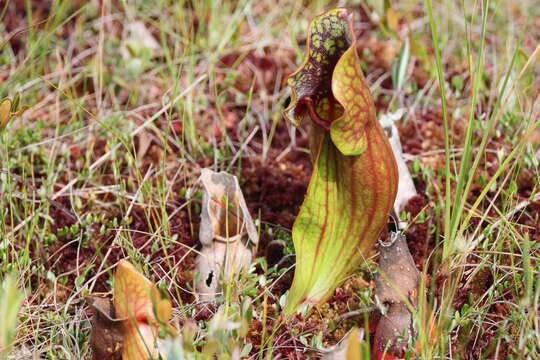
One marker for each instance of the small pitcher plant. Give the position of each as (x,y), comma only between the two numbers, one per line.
(354,181)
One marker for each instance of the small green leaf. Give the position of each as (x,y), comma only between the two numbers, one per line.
(400,65)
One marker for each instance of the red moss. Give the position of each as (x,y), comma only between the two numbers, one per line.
(68,254)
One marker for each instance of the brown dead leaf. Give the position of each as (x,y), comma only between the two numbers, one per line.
(106,338)
(225,222)
(218,260)
(397,287)
(406,188)
(393,331)
(224,213)
(398,276)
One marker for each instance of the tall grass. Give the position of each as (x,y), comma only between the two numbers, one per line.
(459,240)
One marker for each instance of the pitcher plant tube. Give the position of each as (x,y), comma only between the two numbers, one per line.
(354,181)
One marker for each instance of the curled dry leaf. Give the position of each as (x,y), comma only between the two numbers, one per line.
(129,324)
(397,287)
(106,338)
(220,259)
(224,213)
(225,222)
(406,189)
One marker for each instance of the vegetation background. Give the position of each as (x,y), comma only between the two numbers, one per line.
(128,100)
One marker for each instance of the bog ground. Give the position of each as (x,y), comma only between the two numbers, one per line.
(126,102)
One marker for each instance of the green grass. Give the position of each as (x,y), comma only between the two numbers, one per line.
(109,151)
